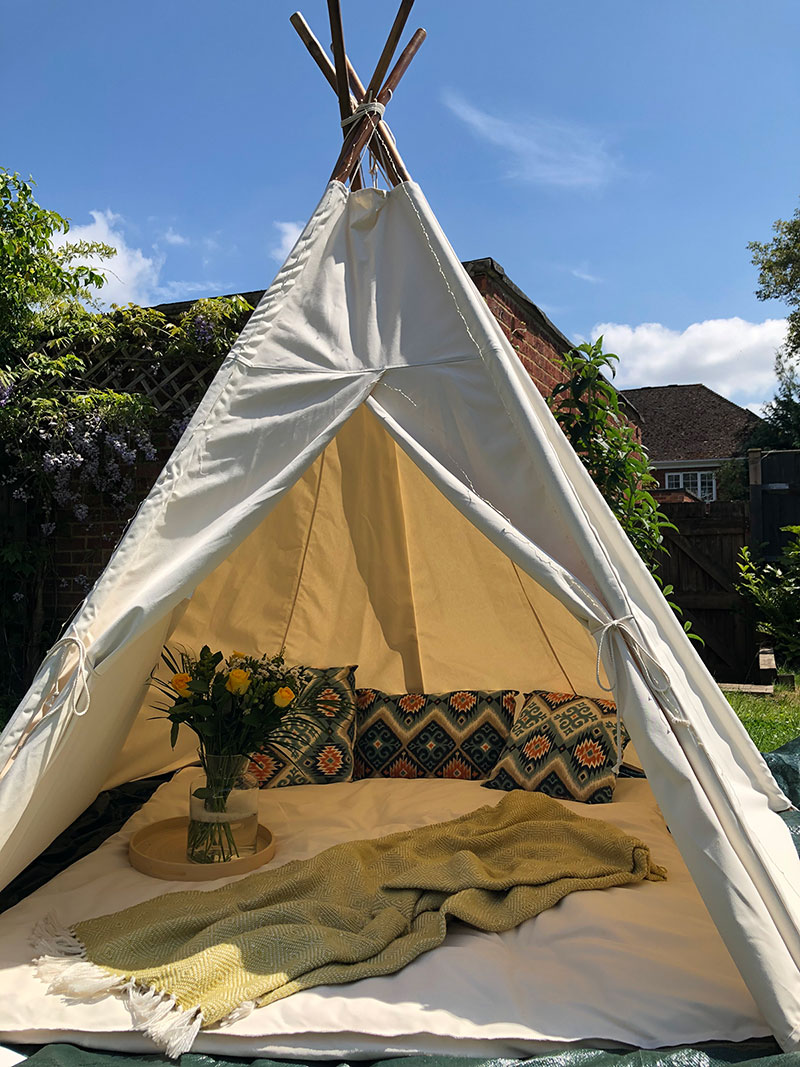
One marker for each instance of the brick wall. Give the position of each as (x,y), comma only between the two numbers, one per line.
(536,341)
(82,550)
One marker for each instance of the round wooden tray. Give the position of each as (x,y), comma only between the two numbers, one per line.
(160,851)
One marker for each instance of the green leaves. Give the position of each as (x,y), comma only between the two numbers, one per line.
(778,263)
(773,589)
(587,408)
(34,274)
(66,445)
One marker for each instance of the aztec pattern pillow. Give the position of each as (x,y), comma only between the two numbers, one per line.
(418,735)
(563,745)
(329,756)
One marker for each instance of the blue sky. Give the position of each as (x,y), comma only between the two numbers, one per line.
(615,158)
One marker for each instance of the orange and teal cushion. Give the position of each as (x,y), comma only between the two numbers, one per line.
(424,735)
(563,745)
(327,754)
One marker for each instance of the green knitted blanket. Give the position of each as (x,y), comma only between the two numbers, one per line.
(357,910)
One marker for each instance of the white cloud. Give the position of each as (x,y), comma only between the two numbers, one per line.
(289,232)
(585,276)
(731,356)
(131,275)
(174,238)
(541,151)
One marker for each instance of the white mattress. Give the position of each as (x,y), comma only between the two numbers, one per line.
(641,965)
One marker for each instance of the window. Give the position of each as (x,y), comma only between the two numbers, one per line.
(701,483)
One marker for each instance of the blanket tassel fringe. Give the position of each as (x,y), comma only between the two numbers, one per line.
(61,962)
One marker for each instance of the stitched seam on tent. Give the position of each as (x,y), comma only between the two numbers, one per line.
(545,561)
(570,683)
(570,578)
(426,235)
(408,564)
(242,361)
(305,550)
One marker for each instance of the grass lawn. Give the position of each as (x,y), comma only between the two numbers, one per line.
(771,721)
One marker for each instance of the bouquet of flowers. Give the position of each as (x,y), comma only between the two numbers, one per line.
(235,706)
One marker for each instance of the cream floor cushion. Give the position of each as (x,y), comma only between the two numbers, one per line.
(640,965)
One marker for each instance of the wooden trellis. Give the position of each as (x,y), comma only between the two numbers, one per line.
(174,388)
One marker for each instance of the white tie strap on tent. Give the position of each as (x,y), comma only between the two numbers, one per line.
(373,478)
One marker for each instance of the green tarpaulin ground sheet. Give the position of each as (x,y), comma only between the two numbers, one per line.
(757,1053)
(113,808)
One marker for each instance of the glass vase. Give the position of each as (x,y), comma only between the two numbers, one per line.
(223,810)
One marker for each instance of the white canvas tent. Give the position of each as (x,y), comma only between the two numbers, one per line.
(373,478)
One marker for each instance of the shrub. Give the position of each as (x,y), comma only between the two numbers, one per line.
(774,591)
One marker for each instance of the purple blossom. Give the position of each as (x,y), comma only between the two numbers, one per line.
(58,462)
(203,330)
(177,426)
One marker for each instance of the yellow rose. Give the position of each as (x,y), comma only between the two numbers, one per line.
(237,655)
(180,683)
(238,681)
(283,697)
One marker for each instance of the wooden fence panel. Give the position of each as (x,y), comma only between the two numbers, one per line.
(700,563)
(774,499)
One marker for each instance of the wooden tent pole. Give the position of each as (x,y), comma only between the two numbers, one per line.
(386,56)
(386,142)
(362,131)
(392,41)
(320,57)
(342,88)
(337,37)
(390,158)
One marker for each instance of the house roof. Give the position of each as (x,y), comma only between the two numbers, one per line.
(690,422)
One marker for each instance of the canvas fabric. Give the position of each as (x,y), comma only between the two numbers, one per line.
(424,735)
(562,745)
(329,756)
(372,335)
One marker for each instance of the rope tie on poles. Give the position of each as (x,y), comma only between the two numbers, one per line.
(366,107)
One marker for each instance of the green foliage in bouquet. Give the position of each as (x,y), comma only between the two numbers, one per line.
(236,706)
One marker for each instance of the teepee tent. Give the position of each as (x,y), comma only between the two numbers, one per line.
(373,478)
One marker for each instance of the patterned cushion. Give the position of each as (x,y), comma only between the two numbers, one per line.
(563,745)
(417,735)
(329,756)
